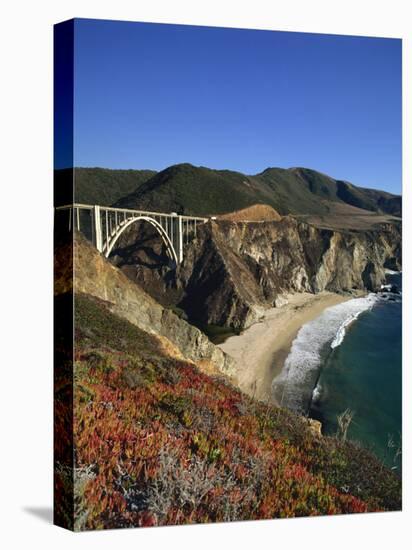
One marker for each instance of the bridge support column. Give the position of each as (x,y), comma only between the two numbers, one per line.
(179,240)
(97,229)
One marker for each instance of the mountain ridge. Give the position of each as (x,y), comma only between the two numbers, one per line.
(297,191)
(202,191)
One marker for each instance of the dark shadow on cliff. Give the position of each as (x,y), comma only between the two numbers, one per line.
(130,256)
(141,247)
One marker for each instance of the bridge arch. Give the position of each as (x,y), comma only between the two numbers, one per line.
(121,228)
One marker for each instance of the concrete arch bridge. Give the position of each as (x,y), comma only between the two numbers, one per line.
(104,225)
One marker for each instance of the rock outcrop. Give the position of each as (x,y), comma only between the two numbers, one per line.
(233,271)
(255,213)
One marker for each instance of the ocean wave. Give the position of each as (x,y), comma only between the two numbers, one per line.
(293,387)
(392,272)
(340,335)
(317,392)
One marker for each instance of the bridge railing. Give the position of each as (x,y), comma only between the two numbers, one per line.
(129,210)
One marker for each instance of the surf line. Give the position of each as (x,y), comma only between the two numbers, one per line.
(335,343)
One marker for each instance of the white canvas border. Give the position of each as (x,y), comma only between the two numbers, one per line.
(26,186)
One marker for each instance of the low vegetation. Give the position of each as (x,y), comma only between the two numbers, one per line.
(98,185)
(159,442)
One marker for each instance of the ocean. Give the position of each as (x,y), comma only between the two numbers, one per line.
(350,357)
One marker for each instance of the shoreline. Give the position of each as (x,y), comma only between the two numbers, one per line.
(261,350)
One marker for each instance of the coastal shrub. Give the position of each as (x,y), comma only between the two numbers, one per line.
(344,421)
(151,452)
(179,485)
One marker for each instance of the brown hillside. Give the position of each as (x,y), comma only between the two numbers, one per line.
(255,213)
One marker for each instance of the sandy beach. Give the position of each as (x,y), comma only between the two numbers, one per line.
(260,351)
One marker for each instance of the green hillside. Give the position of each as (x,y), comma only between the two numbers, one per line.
(199,191)
(101,185)
(370,199)
(104,186)
(202,191)
(189,189)
(298,191)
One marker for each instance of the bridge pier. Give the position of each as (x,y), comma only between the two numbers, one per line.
(176,233)
(97,228)
(179,240)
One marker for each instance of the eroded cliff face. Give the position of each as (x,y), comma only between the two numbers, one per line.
(233,271)
(95,276)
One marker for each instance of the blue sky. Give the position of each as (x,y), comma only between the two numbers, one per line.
(151,95)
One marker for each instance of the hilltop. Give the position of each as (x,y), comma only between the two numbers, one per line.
(188,189)
(196,190)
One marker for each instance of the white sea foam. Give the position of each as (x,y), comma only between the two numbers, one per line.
(340,335)
(295,383)
(392,272)
(317,392)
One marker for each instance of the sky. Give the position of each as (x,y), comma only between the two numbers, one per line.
(147,96)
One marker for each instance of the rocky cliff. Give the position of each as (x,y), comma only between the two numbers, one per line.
(233,271)
(96,277)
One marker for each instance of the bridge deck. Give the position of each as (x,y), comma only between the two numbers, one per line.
(130,211)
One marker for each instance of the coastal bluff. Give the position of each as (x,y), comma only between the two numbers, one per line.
(96,277)
(141,383)
(234,271)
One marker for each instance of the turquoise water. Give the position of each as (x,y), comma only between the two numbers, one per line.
(364,374)
(350,357)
